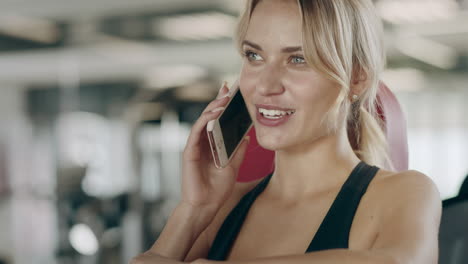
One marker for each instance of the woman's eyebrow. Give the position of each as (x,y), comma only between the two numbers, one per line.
(291,49)
(251,44)
(284,50)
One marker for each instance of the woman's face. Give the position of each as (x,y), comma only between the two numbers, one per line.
(286,98)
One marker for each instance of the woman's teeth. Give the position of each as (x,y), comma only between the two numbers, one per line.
(274,114)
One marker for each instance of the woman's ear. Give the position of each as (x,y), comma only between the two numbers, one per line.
(359,83)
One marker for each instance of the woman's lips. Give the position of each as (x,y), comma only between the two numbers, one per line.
(273,122)
(271,107)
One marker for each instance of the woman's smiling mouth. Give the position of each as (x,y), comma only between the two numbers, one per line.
(273,116)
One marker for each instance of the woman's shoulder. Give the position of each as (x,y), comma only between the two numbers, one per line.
(411,181)
(405,189)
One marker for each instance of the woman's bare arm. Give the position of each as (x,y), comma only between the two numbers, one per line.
(179,240)
(205,190)
(181,231)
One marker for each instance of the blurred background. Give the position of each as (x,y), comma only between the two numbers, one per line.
(97,98)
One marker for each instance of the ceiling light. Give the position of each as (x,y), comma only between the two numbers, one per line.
(33,29)
(427,51)
(416,11)
(201,26)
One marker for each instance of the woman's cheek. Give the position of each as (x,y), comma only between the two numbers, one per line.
(247,81)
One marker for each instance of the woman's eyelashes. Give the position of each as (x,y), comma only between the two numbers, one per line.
(255,57)
(252,56)
(297,59)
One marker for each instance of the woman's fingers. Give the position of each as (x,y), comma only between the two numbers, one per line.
(223,91)
(222,101)
(211,112)
(192,148)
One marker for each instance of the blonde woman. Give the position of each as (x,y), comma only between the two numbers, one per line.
(318,63)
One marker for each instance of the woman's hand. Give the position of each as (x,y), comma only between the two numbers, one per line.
(204,186)
(204,190)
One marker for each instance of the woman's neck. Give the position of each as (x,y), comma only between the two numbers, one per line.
(312,168)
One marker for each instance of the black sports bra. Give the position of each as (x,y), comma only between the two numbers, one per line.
(334,230)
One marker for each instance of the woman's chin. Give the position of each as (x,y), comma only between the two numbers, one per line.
(271,143)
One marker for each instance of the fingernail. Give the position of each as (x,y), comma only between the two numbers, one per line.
(224,96)
(222,85)
(210,125)
(217,109)
(220,89)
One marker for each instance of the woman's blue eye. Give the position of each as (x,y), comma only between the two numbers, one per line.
(252,56)
(298,60)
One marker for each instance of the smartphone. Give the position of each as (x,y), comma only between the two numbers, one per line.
(227,131)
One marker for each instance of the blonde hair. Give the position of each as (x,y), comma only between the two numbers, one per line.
(342,39)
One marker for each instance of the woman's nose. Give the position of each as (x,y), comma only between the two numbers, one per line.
(269,81)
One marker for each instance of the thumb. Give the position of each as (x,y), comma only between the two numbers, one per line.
(240,153)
